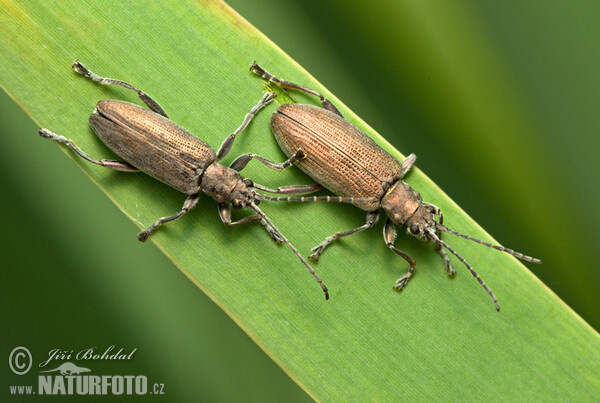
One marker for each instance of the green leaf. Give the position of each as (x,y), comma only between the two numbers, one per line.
(439,337)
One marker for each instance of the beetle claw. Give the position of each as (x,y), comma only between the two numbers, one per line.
(316,252)
(402,281)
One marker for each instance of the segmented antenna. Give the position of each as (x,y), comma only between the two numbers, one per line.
(333,199)
(473,272)
(497,247)
(284,239)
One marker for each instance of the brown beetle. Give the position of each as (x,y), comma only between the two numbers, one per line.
(343,159)
(149,142)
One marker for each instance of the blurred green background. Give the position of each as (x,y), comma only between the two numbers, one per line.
(500,102)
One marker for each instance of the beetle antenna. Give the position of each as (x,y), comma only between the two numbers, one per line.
(473,272)
(292,247)
(497,247)
(333,199)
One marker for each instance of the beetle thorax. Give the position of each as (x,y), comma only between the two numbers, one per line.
(401,202)
(404,206)
(225,184)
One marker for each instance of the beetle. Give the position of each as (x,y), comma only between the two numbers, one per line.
(148,141)
(342,158)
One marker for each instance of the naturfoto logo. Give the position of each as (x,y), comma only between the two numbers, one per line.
(69,381)
(60,375)
(69,368)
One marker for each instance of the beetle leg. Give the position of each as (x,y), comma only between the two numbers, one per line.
(407,164)
(291,190)
(372,218)
(438,247)
(228,142)
(389,235)
(256,69)
(243,160)
(150,103)
(112,164)
(225,214)
(189,203)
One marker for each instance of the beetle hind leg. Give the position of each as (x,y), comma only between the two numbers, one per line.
(150,103)
(327,104)
(112,164)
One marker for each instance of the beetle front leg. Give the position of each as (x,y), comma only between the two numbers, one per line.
(150,103)
(447,264)
(438,247)
(228,142)
(243,160)
(327,104)
(372,218)
(225,214)
(389,235)
(189,204)
(112,164)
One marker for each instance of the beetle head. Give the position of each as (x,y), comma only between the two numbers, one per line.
(422,223)
(404,206)
(243,194)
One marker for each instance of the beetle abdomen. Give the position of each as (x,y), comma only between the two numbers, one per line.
(152,143)
(339,155)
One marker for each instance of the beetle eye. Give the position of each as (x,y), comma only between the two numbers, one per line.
(414,229)
(248,182)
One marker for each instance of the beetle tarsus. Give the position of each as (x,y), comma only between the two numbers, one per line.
(402,281)
(143,236)
(317,250)
(80,68)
